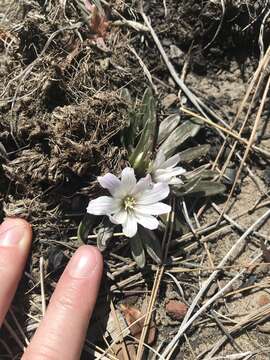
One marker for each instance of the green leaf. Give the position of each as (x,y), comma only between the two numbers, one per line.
(202,172)
(141,156)
(137,250)
(104,234)
(151,244)
(200,189)
(167,126)
(86,225)
(186,188)
(194,153)
(129,133)
(188,129)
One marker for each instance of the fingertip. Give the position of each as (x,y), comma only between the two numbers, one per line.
(15,231)
(87,261)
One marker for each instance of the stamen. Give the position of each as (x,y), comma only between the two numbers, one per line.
(129,203)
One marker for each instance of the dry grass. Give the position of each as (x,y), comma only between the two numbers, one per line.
(57,145)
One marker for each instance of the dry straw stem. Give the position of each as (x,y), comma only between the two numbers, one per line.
(226,131)
(118,326)
(159,273)
(188,320)
(42,288)
(144,67)
(97,352)
(209,269)
(257,77)
(193,98)
(252,137)
(213,225)
(255,317)
(105,352)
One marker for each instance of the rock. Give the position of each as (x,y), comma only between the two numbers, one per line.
(263,300)
(135,320)
(169,100)
(176,309)
(175,52)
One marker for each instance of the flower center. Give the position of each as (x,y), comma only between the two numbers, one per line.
(129,203)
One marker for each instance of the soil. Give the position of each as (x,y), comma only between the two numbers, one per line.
(62,116)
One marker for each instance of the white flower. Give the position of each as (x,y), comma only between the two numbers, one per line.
(132,202)
(166,171)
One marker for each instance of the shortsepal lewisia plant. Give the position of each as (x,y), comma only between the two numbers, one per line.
(131,202)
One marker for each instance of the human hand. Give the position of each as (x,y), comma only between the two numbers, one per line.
(62,331)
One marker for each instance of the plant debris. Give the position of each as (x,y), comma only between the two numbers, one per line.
(93,87)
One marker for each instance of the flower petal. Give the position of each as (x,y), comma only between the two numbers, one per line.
(153,209)
(143,184)
(158,192)
(109,182)
(165,175)
(104,205)
(119,218)
(130,226)
(128,181)
(147,221)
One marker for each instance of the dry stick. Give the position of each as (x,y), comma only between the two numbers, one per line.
(230,220)
(226,333)
(258,315)
(251,139)
(258,286)
(257,73)
(213,226)
(208,253)
(200,106)
(226,131)
(93,349)
(144,67)
(124,330)
(159,274)
(176,270)
(148,347)
(122,341)
(250,87)
(244,124)
(204,307)
(188,320)
(42,289)
(157,280)
(260,40)
(194,100)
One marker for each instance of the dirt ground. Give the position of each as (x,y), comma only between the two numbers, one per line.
(63,70)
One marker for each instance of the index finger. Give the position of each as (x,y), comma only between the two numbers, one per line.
(15,242)
(62,332)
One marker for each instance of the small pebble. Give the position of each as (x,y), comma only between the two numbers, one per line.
(176,309)
(263,300)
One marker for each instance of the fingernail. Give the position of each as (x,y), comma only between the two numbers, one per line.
(83,263)
(12,232)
